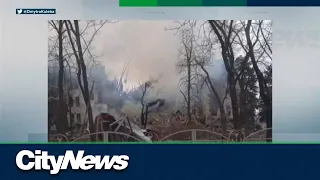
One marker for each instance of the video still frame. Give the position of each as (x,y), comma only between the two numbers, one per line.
(160,81)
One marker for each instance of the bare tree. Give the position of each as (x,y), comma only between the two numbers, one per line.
(224,30)
(199,51)
(186,63)
(79,47)
(256,43)
(234,38)
(208,81)
(144,89)
(265,94)
(61,120)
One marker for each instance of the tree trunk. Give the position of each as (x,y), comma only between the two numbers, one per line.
(228,58)
(144,115)
(234,102)
(223,117)
(61,122)
(243,106)
(263,89)
(189,90)
(86,92)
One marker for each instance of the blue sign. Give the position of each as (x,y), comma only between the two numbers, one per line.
(160,161)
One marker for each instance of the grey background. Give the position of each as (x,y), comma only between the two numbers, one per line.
(23,61)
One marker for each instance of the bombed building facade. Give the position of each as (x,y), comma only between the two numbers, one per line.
(219,75)
(109,94)
(78,109)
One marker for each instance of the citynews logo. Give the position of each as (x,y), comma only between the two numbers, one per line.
(40,160)
(35,11)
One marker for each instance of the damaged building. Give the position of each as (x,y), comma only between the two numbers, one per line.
(219,77)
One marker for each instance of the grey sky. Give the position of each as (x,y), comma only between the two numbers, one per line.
(151,49)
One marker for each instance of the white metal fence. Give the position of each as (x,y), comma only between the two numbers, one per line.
(192,135)
(196,135)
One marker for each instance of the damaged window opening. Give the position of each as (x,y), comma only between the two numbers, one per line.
(78,118)
(71,118)
(78,101)
(70,101)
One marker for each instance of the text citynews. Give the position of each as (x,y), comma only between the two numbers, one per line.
(41,160)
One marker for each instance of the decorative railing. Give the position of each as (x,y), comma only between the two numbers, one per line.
(193,135)
(196,135)
(107,136)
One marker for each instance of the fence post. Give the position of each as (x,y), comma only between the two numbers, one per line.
(105,136)
(194,135)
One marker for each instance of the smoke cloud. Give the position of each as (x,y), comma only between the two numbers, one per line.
(151,50)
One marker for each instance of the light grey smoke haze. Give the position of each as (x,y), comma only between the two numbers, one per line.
(151,49)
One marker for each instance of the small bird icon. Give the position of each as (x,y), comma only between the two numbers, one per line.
(18,11)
